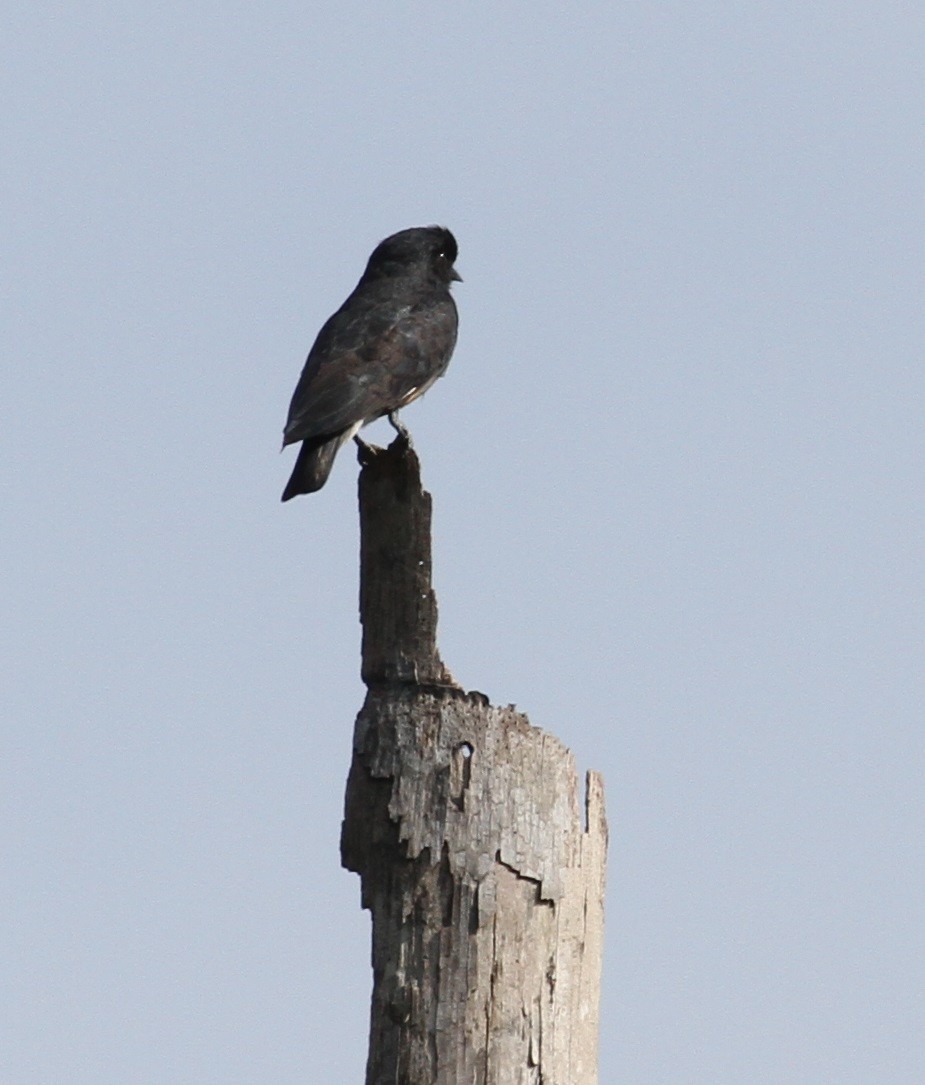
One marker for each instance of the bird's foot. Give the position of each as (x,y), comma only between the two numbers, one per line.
(400,428)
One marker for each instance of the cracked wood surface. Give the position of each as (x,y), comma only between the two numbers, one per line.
(483,875)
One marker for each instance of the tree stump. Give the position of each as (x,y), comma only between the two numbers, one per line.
(484,881)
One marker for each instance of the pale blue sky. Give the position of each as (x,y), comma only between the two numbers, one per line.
(678,489)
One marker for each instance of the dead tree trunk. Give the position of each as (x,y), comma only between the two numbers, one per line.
(484,881)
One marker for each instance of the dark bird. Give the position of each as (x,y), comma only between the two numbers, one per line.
(384,347)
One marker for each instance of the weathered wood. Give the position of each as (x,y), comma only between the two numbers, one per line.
(398,607)
(484,879)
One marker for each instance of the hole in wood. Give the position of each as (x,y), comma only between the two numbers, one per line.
(460,774)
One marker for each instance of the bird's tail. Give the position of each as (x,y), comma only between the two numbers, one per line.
(313,465)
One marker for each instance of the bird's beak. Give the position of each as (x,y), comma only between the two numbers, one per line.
(455,276)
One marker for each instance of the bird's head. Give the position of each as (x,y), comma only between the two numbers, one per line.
(426,251)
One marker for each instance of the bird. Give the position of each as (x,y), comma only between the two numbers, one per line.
(382,349)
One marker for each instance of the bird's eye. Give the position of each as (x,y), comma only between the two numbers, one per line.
(445,249)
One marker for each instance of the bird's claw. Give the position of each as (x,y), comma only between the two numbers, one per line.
(400,428)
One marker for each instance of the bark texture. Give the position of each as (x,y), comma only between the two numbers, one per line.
(483,875)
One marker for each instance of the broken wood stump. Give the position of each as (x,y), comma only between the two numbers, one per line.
(483,876)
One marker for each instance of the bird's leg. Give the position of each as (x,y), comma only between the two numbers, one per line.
(400,428)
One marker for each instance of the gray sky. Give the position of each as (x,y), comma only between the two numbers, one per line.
(678,487)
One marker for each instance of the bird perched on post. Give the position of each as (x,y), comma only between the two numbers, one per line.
(384,347)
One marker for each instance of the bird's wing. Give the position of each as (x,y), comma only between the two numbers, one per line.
(364,364)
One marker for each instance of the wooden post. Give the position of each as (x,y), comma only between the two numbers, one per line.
(484,880)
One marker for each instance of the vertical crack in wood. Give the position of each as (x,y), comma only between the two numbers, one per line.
(483,875)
